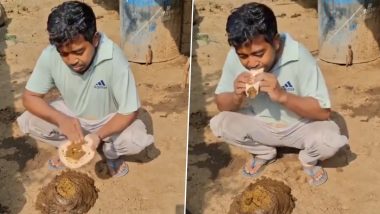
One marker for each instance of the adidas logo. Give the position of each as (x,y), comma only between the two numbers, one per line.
(288,86)
(100,84)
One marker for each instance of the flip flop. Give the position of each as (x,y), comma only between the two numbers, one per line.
(53,167)
(115,164)
(257,161)
(312,172)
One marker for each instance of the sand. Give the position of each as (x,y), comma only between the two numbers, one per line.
(155,183)
(8,115)
(214,174)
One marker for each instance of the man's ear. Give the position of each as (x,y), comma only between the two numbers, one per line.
(277,42)
(96,39)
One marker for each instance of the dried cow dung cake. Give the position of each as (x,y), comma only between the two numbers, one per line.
(266,196)
(70,192)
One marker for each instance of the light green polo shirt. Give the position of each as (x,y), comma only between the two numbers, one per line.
(108,86)
(296,71)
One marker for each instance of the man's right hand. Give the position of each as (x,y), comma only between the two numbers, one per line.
(71,127)
(240,81)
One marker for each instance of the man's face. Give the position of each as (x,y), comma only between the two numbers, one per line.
(259,53)
(78,53)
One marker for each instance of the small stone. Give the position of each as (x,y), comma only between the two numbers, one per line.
(281,15)
(164,115)
(295,15)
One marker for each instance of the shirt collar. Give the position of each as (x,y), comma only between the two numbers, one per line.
(290,52)
(105,50)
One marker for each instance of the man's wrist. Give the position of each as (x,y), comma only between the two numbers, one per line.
(99,136)
(283,98)
(238,98)
(59,118)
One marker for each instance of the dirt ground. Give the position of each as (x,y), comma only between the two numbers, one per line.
(214,173)
(155,183)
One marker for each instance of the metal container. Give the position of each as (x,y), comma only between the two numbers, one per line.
(344,23)
(151,24)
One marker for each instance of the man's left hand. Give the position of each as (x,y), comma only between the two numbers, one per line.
(270,85)
(93,140)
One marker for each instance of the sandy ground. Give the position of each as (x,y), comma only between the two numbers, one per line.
(214,173)
(155,183)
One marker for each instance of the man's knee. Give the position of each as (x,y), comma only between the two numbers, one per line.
(23,122)
(216,123)
(325,143)
(132,140)
(332,143)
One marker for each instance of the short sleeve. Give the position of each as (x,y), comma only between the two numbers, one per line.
(313,83)
(123,85)
(41,80)
(226,82)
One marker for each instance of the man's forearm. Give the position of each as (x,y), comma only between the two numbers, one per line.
(116,125)
(39,107)
(307,107)
(229,101)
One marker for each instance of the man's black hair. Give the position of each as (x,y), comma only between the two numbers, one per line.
(69,20)
(249,21)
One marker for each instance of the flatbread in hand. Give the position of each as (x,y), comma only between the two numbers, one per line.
(75,155)
(252,89)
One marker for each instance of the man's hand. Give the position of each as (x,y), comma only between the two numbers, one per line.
(71,127)
(240,81)
(270,85)
(232,101)
(93,140)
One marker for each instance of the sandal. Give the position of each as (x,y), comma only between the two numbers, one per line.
(312,172)
(116,165)
(257,162)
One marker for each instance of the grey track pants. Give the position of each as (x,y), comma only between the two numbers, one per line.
(318,140)
(131,141)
